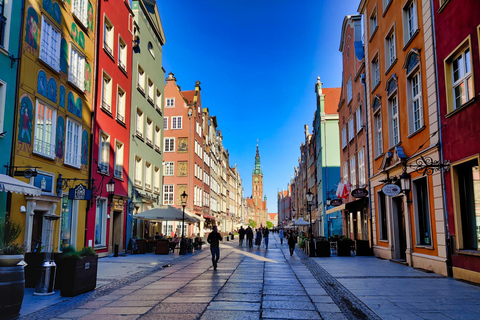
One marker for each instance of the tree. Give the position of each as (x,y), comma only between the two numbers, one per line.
(269,225)
(252,223)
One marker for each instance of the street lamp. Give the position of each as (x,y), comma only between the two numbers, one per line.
(110,191)
(309,206)
(183,199)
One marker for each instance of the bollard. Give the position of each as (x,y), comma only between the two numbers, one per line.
(115,250)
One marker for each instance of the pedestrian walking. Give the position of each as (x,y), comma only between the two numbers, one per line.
(265,237)
(241,236)
(280,235)
(292,240)
(249,234)
(258,238)
(214,239)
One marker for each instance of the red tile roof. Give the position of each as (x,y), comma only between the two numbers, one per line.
(332,98)
(272,216)
(189,95)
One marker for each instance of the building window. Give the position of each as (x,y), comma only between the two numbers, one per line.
(359,117)
(76,71)
(149,135)
(345,172)
(73,151)
(2,104)
(377,121)
(45,120)
(151,91)
(150,49)
(351,129)
(138,172)
(410,24)
(108,36)
(415,102)
(68,221)
(168,168)
(79,9)
(462,80)
(122,54)
(158,101)
(4,24)
(422,214)
(375,72)
(386,4)
(101,223)
(394,125)
(170,102)
(121,105)
(158,139)
(382,216)
(50,40)
(148,176)
(118,170)
(141,79)
(373,22)
(107,93)
(349,90)
(353,174)
(176,122)
(169,145)
(344,137)
(361,168)
(156,180)
(139,128)
(390,49)
(165,123)
(168,194)
(104,153)
(466,189)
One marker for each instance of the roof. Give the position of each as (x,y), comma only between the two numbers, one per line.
(272,216)
(332,97)
(189,95)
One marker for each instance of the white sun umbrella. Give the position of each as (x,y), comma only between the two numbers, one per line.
(300,222)
(165,213)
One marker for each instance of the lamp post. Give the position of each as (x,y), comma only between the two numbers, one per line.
(111,191)
(309,207)
(183,198)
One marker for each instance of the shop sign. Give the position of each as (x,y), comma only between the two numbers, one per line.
(336,202)
(80,192)
(391,189)
(360,193)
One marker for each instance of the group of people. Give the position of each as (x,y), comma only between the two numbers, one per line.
(260,234)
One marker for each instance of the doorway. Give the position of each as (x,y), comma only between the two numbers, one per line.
(117,230)
(37,231)
(399,227)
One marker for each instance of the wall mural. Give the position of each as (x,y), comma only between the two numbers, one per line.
(90,16)
(25,123)
(31,34)
(60,137)
(88,77)
(62,97)
(74,107)
(64,56)
(81,40)
(42,83)
(74,32)
(78,36)
(85,147)
(52,90)
(53,10)
(78,108)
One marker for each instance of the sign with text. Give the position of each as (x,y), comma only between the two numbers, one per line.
(360,193)
(80,192)
(391,189)
(336,202)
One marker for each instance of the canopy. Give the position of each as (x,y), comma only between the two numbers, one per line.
(9,184)
(300,222)
(165,213)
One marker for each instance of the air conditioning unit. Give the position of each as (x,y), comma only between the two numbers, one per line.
(136,40)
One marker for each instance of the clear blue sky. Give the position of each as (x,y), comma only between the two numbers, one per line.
(257,61)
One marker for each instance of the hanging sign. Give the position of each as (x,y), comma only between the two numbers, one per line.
(336,202)
(391,189)
(80,192)
(360,193)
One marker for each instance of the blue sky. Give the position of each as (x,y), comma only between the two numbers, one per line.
(257,61)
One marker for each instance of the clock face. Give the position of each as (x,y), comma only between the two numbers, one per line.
(256,179)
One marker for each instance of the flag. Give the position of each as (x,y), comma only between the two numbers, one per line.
(339,190)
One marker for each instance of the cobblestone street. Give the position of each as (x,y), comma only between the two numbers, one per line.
(271,284)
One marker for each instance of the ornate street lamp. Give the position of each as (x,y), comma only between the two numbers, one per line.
(309,206)
(183,199)
(111,191)
(405,182)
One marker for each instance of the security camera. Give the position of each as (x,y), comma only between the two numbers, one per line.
(23,209)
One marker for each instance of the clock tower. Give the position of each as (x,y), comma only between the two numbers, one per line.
(257,181)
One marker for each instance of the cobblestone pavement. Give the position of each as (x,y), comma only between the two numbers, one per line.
(271,284)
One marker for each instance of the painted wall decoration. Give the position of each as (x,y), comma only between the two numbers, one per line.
(81,40)
(52,90)
(53,10)
(74,32)
(64,56)
(60,137)
(182,144)
(85,147)
(25,122)
(31,31)
(42,83)
(78,36)
(78,108)
(90,16)
(62,97)
(88,77)
(71,102)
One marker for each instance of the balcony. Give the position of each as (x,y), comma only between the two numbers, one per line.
(106,106)
(108,49)
(157,148)
(150,100)
(120,118)
(157,108)
(103,167)
(122,65)
(118,172)
(149,141)
(139,134)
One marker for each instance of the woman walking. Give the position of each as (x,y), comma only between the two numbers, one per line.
(291,241)
(258,238)
(280,235)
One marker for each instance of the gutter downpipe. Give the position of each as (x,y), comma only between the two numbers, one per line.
(440,148)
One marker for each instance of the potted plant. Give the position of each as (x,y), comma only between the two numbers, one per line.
(344,247)
(362,248)
(301,242)
(78,271)
(322,248)
(12,277)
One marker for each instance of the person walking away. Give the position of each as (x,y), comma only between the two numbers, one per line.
(280,235)
(249,234)
(265,237)
(291,242)
(214,239)
(241,236)
(258,238)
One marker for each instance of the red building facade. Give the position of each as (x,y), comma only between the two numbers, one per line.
(457,36)
(106,223)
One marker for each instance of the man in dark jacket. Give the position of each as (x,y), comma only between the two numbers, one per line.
(241,236)
(214,239)
(250,237)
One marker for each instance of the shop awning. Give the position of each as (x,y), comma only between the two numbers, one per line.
(165,213)
(9,184)
(339,208)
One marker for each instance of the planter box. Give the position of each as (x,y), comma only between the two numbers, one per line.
(344,248)
(323,249)
(141,245)
(161,247)
(362,248)
(79,275)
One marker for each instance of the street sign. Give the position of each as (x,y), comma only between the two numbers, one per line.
(80,192)
(360,193)
(391,189)
(336,202)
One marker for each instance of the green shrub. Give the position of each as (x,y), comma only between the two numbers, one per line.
(87,251)
(69,252)
(9,232)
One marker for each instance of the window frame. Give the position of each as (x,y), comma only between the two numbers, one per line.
(156,179)
(345,172)
(344,137)
(378,132)
(359,118)
(382,216)
(103,151)
(412,99)
(170,193)
(42,150)
(392,118)
(390,41)
(150,91)
(351,128)
(52,59)
(122,54)
(168,168)
(168,104)
(138,172)
(139,123)
(373,22)
(147,182)
(119,155)
(77,79)
(107,92)
(108,36)
(121,104)
(158,139)
(82,12)
(375,71)
(409,31)
(170,144)
(3,99)
(149,132)
(78,154)
(419,204)
(101,201)
(362,179)
(349,90)
(175,125)
(352,162)
(141,76)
